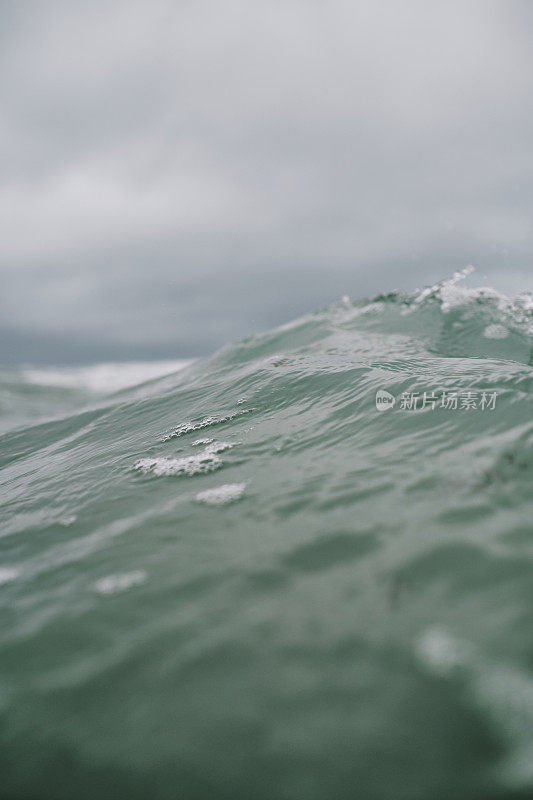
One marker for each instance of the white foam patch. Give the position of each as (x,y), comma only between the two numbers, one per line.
(205,461)
(191,465)
(120,582)
(495,332)
(202,441)
(8,574)
(220,495)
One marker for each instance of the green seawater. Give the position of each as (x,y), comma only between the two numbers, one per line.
(245,581)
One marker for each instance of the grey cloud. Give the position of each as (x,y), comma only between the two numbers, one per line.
(178,174)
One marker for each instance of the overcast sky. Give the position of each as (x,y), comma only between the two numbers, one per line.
(177,174)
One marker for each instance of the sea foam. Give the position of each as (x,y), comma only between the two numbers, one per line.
(220,495)
(206,460)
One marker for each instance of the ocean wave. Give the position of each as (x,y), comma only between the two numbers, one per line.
(358,625)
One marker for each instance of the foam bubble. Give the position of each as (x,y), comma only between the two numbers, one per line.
(220,495)
(207,422)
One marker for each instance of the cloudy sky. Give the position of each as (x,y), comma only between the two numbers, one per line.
(178,174)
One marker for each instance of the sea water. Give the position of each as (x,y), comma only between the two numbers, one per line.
(254,578)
